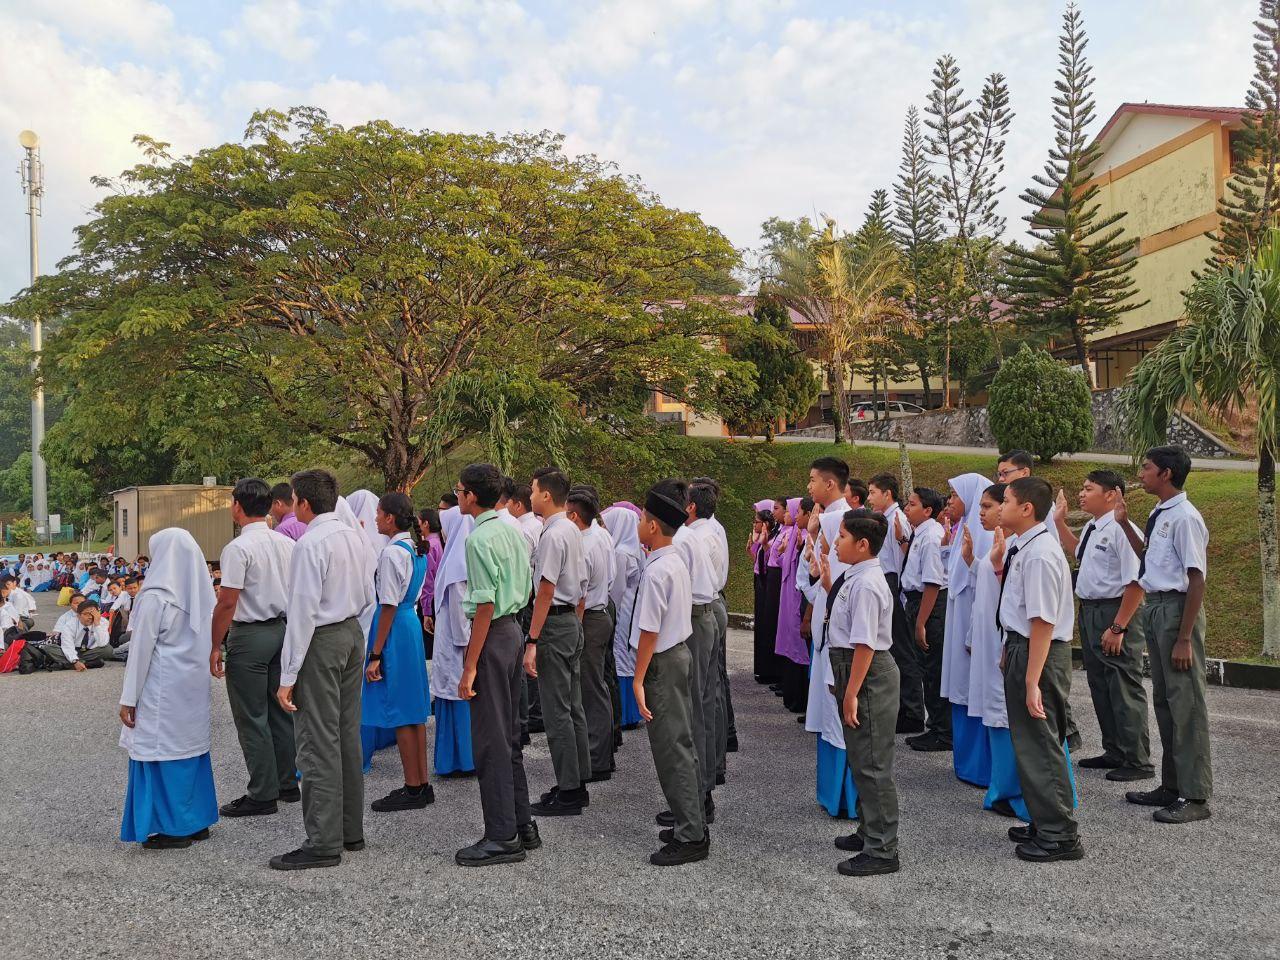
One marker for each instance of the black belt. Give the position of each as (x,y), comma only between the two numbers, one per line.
(1097,603)
(917,594)
(1166,593)
(562,608)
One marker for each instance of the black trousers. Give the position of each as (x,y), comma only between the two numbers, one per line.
(904,650)
(927,678)
(768,593)
(495,731)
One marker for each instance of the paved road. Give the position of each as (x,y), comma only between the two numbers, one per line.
(69,889)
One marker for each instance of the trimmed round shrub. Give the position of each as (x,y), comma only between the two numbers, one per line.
(1040,405)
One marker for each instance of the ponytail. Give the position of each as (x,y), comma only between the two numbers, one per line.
(399,507)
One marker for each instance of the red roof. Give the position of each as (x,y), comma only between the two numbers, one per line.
(1229,115)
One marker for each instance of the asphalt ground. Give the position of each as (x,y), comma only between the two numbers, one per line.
(69,888)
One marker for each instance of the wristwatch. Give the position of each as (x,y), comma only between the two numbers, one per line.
(533,640)
(374,656)
(1118,630)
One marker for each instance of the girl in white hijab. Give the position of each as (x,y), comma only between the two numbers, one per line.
(453,632)
(164,706)
(624,527)
(364,505)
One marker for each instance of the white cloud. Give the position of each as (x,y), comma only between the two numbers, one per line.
(278,26)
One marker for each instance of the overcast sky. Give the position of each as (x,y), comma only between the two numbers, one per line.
(738,109)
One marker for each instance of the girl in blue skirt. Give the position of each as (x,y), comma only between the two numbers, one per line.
(395,687)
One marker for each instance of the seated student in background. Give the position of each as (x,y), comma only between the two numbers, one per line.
(87,646)
(10,625)
(23,603)
(69,622)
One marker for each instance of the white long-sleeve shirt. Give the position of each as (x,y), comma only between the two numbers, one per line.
(329,582)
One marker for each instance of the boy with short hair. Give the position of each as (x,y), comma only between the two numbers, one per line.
(924,583)
(660,628)
(84,645)
(1172,573)
(855,493)
(24,604)
(1035,612)
(866,687)
(882,497)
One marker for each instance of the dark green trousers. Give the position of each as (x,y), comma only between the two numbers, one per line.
(869,748)
(327,726)
(1115,683)
(597,699)
(1037,744)
(1182,711)
(704,675)
(264,729)
(668,693)
(559,663)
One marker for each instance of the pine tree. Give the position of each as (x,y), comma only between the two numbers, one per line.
(1251,201)
(916,224)
(1077,280)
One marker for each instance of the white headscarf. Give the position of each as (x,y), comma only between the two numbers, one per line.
(177,574)
(969,488)
(453,563)
(365,507)
(624,527)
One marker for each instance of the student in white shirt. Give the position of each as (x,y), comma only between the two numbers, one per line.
(924,584)
(864,681)
(24,604)
(660,629)
(1172,570)
(1036,613)
(80,644)
(882,496)
(582,507)
(249,614)
(1110,628)
(330,586)
(726,726)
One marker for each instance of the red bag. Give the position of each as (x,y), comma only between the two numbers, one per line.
(12,653)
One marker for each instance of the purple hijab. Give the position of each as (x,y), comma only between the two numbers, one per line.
(427,599)
(789,643)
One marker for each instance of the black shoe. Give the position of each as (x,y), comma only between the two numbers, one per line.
(800,719)
(402,798)
(1036,852)
(457,775)
(1104,761)
(631,726)
(730,745)
(668,835)
(487,852)
(599,777)
(566,803)
(930,743)
(248,807)
(163,841)
(290,795)
(1130,774)
(1183,811)
(850,844)
(1004,808)
(719,779)
(1159,797)
(667,819)
(528,835)
(865,865)
(919,738)
(355,846)
(674,853)
(300,859)
(907,725)
(524,740)
(555,792)
(1022,834)
(535,726)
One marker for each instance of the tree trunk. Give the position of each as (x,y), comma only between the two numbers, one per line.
(836,389)
(1270,553)
(402,467)
(904,470)
(928,390)
(842,400)
(875,403)
(946,370)
(1082,353)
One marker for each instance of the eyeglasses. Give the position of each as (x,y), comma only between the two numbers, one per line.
(459,489)
(1006,473)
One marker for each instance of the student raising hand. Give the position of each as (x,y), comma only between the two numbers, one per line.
(966,546)
(997,550)
(947,530)
(824,565)
(1060,504)
(899,532)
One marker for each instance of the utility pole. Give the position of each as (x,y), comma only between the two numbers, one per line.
(32,174)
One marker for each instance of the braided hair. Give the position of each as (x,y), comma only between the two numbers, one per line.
(431,517)
(399,508)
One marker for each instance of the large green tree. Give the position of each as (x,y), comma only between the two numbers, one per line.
(386,292)
(785,386)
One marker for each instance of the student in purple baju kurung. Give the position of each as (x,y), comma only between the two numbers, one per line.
(790,646)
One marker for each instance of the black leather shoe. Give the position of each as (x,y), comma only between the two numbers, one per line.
(675,853)
(669,835)
(865,865)
(719,779)
(800,719)
(1038,852)
(907,725)
(402,799)
(1130,774)
(290,795)
(667,819)
(163,841)
(730,746)
(524,740)
(566,803)
(850,844)
(529,836)
(1022,834)
(302,860)
(1104,761)
(555,792)
(248,807)
(1004,808)
(930,743)
(1183,811)
(1159,797)
(488,852)
(355,846)
(599,777)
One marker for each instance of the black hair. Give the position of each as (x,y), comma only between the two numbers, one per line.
(1107,479)
(1035,491)
(449,498)
(806,503)
(524,494)
(399,507)
(768,519)
(995,492)
(585,503)
(130,580)
(711,482)
(704,499)
(431,517)
(508,488)
(319,488)
(886,482)
(833,466)
(283,492)
(858,489)
(931,500)
(554,482)
(254,497)
(1173,458)
(1019,458)
(484,480)
(89,605)
(674,490)
(866,525)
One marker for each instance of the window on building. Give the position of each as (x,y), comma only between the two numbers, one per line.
(124,522)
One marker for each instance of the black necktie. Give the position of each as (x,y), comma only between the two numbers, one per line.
(85,645)
(1008,569)
(1146,537)
(1084,541)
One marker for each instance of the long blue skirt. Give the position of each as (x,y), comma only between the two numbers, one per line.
(836,792)
(173,797)
(373,739)
(401,698)
(1005,784)
(970,752)
(453,737)
(630,709)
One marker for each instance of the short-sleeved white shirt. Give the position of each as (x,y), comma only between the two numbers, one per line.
(1108,564)
(597,549)
(664,600)
(1037,586)
(891,551)
(560,560)
(923,566)
(395,570)
(1179,542)
(257,564)
(696,543)
(23,602)
(863,609)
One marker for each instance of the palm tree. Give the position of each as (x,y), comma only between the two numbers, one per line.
(844,286)
(1228,352)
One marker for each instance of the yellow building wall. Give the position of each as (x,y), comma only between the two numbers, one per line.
(1167,192)
(1161,278)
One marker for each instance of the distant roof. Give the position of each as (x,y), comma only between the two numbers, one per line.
(1228,115)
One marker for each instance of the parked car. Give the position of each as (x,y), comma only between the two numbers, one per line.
(866,410)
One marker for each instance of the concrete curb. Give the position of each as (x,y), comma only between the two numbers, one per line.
(1220,673)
